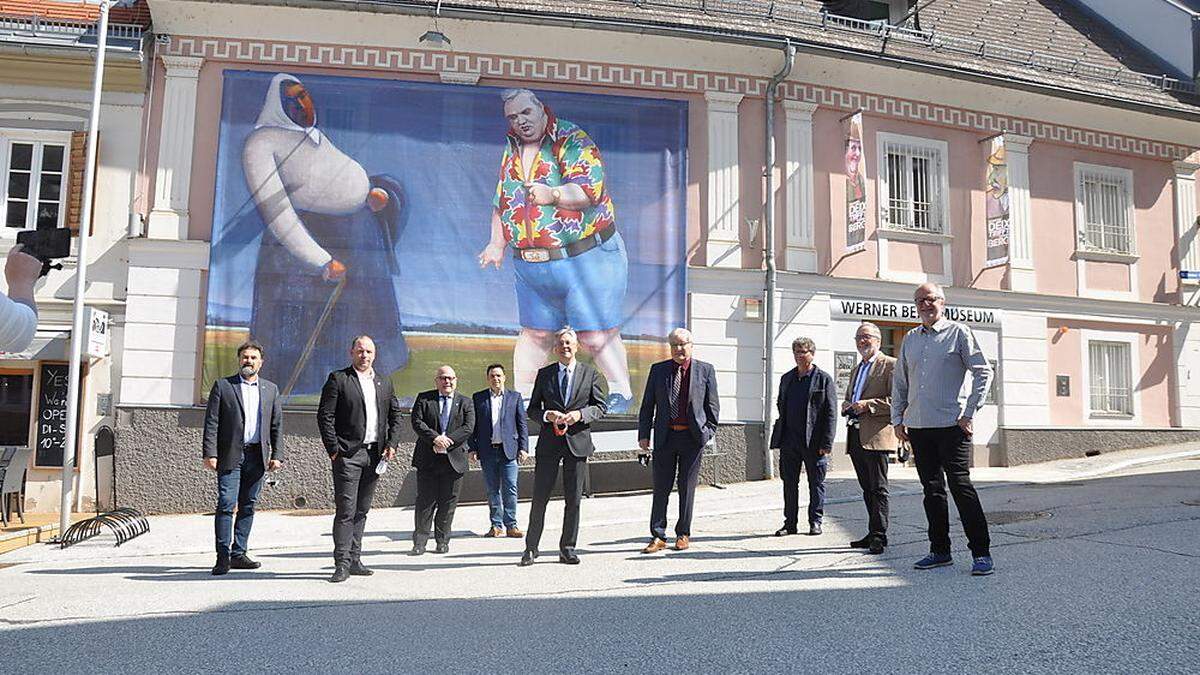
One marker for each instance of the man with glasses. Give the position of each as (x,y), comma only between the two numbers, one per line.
(682,407)
(869,436)
(443,419)
(807,405)
(929,410)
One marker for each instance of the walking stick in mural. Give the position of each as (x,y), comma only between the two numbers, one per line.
(312,339)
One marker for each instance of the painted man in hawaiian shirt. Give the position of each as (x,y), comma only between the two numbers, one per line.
(553,212)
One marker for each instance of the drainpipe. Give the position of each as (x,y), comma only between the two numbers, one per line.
(769,253)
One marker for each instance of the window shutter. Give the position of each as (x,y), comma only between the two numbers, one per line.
(78,154)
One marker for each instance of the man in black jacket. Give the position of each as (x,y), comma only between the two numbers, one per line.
(443,419)
(359,420)
(807,405)
(243,438)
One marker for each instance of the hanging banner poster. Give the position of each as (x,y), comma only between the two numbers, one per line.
(454,224)
(997,204)
(856,186)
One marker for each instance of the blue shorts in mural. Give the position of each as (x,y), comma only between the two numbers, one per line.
(585,292)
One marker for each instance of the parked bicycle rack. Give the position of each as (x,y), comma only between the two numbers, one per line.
(125,523)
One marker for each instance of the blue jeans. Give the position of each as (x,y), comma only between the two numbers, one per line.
(238,487)
(790,463)
(500,483)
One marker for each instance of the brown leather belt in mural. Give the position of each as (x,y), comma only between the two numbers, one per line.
(537,255)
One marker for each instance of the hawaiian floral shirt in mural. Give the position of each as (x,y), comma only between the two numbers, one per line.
(567,155)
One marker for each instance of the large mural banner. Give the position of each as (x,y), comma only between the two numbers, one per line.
(455,224)
(856,185)
(997,204)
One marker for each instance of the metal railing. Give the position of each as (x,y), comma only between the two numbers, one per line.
(60,32)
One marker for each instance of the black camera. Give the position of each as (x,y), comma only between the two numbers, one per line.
(46,245)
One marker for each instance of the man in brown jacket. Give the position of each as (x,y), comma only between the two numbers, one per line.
(869,435)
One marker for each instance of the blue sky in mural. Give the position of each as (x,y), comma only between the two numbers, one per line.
(443,144)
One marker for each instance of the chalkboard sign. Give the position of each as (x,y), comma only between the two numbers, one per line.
(52,414)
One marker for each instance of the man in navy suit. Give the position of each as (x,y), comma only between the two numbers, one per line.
(500,441)
(568,396)
(243,438)
(443,419)
(807,405)
(681,406)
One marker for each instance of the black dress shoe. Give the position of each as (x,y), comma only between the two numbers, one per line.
(222,566)
(527,558)
(876,546)
(442,547)
(865,542)
(341,572)
(784,531)
(244,562)
(814,529)
(568,558)
(417,550)
(357,569)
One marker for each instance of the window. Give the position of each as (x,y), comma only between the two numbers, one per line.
(35,171)
(913,184)
(1110,371)
(1104,209)
(16,397)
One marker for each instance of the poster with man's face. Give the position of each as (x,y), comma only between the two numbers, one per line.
(348,206)
(856,185)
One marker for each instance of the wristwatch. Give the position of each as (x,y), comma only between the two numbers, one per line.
(557,195)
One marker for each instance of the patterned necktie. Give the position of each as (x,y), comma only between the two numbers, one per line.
(673,397)
(445,413)
(562,386)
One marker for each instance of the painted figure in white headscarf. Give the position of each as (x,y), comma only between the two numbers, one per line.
(326,221)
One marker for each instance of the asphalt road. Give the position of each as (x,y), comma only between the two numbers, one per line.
(1093,575)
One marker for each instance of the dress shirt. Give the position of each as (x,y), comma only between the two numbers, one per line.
(684,372)
(795,423)
(367,381)
(570,370)
(927,387)
(861,380)
(251,413)
(497,400)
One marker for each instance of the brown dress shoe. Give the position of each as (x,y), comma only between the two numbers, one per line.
(682,542)
(515,533)
(655,546)
(494,532)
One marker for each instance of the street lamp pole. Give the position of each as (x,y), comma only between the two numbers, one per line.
(85,225)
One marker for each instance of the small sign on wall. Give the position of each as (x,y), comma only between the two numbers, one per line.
(1062,385)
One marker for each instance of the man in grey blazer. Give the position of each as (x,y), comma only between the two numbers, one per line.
(567,398)
(682,407)
(243,438)
(500,442)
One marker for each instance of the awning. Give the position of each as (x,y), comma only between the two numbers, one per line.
(49,344)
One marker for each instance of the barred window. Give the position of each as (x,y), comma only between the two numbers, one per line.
(1104,208)
(1111,377)
(913,184)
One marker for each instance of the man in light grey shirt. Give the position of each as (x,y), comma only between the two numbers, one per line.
(929,410)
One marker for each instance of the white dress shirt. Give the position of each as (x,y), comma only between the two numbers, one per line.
(367,380)
(497,401)
(251,412)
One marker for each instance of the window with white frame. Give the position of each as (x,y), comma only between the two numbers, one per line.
(1104,209)
(1110,377)
(913,184)
(35,171)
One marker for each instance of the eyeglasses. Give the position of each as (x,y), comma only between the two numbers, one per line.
(447,377)
(931,300)
(860,338)
(681,344)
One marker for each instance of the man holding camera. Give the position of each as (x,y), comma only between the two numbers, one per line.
(681,405)
(18,310)
(869,435)
(568,397)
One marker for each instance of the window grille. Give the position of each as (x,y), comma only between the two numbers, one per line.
(913,179)
(1104,206)
(1109,364)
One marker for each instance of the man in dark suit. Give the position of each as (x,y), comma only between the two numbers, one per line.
(807,405)
(870,438)
(359,420)
(567,398)
(243,438)
(500,441)
(443,419)
(681,405)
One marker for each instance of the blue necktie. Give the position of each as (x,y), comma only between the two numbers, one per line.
(445,417)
